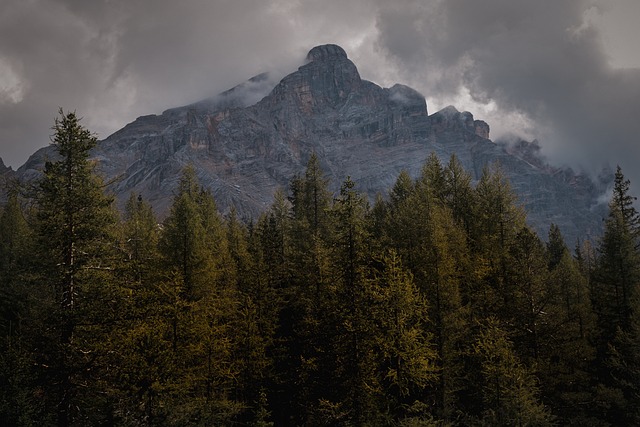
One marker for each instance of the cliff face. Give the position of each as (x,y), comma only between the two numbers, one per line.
(244,150)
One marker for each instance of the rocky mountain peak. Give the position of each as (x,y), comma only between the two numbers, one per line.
(327,52)
(326,80)
(252,139)
(449,118)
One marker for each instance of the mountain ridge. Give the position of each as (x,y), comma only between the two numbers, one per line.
(252,139)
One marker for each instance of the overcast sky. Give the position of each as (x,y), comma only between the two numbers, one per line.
(565,72)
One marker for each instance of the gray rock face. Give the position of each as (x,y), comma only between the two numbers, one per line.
(244,150)
(6,175)
(4,169)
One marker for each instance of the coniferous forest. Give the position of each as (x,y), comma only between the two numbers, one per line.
(434,305)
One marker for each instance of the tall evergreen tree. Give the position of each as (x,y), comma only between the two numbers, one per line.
(140,234)
(18,405)
(74,226)
(509,391)
(347,363)
(616,299)
(567,332)
(433,247)
(526,288)
(617,273)
(15,237)
(407,358)
(498,219)
(200,300)
(459,192)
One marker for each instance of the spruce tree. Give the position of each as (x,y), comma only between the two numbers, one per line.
(616,300)
(617,272)
(140,234)
(347,361)
(509,391)
(497,220)
(75,233)
(459,192)
(407,362)
(200,300)
(556,246)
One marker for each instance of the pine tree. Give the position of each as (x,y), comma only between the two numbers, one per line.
(556,247)
(459,193)
(15,237)
(433,247)
(622,202)
(509,391)
(497,221)
(407,363)
(200,299)
(140,234)
(402,221)
(18,405)
(184,239)
(617,273)
(254,323)
(624,365)
(347,360)
(75,231)
(567,352)
(526,288)
(432,179)
(307,262)
(310,209)
(616,302)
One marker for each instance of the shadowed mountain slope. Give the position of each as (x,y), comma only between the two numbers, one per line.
(252,139)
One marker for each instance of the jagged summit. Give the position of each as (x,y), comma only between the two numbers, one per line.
(327,52)
(251,140)
(327,80)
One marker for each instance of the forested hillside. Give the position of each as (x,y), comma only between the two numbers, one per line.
(434,305)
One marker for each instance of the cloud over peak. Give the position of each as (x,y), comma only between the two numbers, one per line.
(543,69)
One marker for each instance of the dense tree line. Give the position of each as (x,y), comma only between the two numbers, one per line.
(435,305)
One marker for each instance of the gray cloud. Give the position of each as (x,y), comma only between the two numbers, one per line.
(113,60)
(535,67)
(545,63)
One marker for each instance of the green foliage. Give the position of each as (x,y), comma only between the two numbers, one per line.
(509,391)
(408,357)
(435,307)
(76,243)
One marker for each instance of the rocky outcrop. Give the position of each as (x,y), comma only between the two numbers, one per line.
(482,128)
(3,168)
(252,139)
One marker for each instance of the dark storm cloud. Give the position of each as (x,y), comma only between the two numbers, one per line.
(113,60)
(543,60)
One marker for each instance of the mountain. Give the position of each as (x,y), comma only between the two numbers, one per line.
(252,139)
